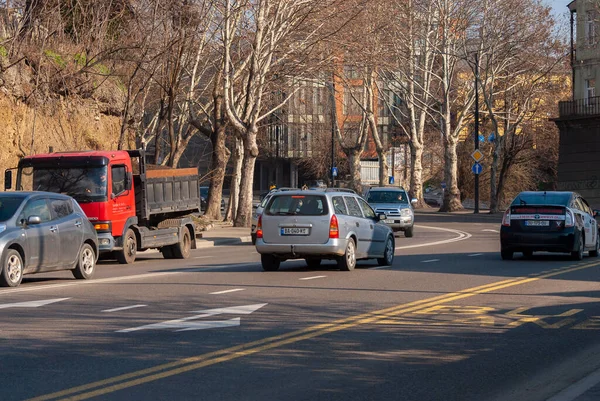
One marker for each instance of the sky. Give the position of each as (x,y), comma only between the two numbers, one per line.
(558,6)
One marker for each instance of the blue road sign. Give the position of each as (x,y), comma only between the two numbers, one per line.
(481,138)
(443,185)
(491,138)
(477,168)
(334,171)
(391,179)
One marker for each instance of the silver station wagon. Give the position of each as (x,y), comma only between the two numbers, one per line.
(322,224)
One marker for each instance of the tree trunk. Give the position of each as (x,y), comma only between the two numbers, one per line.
(234,189)
(493,174)
(243,217)
(416,176)
(354,165)
(218,165)
(451,200)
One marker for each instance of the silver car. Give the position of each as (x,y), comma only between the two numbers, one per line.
(41,232)
(393,202)
(322,224)
(258,209)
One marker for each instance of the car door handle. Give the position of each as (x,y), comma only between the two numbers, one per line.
(78,224)
(53,229)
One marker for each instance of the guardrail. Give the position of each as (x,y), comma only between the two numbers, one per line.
(579,107)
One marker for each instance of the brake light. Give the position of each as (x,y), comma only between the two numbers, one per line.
(569,218)
(334,231)
(259,232)
(506,218)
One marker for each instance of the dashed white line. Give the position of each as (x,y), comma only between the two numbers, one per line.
(462,235)
(312,278)
(203,257)
(491,231)
(430,260)
(476,254)
(227,291)
(575,390)
(123,308)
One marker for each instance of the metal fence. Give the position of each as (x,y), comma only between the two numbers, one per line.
(580,107)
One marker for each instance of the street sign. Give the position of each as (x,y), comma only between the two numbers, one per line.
(334,171)
(391,179)
(477,168)
(477,155)
(443,185)
(481,138)
(491,138)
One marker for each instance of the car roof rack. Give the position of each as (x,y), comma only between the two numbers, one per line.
(340,190)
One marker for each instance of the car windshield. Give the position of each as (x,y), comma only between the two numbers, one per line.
(8,206)
(204,192)
(542,198)
(85,184)
(301,205)
(387,197)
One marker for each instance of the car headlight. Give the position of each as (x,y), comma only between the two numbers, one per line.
(406,213)
(2,227)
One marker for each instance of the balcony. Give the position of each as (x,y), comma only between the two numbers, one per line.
(579,108)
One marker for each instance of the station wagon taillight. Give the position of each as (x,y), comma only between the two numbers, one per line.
(506,218)
(334,231)
(569,218)
(259,232)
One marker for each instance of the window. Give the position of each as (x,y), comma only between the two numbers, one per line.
(118,179)
(9,206)
(339,207)
(367,210)
(353,208)
(61,207)
(297,205)
(590,28)
(590,89)
(36,207)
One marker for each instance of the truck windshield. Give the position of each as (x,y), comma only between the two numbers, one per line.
(85,184)
(387,197)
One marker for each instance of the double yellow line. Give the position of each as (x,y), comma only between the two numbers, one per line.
(120,382)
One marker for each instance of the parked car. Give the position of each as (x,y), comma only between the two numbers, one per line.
(322,224)
(549,221)
(41,232)
(204,200)
(258,209)
(394,203)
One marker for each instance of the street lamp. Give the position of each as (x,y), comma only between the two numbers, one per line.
(476,210)
(333,116)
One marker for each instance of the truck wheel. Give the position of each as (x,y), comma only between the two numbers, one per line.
(127,254)
(12,269)
(183,249)
(167,252)
(408,233)
(86,263)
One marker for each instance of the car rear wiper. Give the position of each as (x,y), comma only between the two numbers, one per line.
(522,202)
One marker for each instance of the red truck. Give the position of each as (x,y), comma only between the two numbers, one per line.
(132,207)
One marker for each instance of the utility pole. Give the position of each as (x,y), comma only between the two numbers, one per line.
(476,129)
(333,116)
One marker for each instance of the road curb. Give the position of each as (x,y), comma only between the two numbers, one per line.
(208,243)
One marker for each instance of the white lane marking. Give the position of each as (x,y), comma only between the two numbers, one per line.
(430,260)
(476,254)
(32,304)
(491,231)
(203,257)
(227,291)
(379,267)
(577,389)
(312,278)
(123,308)
(462,235)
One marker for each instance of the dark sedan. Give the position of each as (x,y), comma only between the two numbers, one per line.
(42,231)
(549,221)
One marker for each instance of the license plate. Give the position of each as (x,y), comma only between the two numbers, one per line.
(537,223)
(294,231)
(388,221)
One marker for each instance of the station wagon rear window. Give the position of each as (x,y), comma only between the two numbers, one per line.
(297,205)
(542,198)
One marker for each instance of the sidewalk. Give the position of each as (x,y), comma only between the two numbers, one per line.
(223,234)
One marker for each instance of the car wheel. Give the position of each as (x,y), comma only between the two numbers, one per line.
(506,255)
(313,263)
(527,254)
(388,253)
(348,261)
(594,253)
(127,255)
(578,253)
(86,263)
(183,248)
(269,263)
(12,269)
(408,233)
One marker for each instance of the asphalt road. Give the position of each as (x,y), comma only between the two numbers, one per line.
(448,321)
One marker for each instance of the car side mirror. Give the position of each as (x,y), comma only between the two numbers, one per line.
(32,220)
(414,201)
(7,179)
(381,216)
